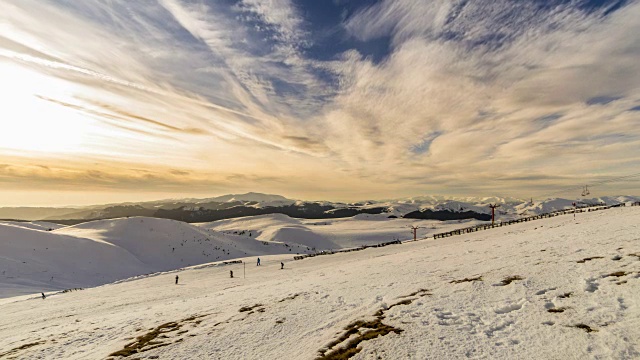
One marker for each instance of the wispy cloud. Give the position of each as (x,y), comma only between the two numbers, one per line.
(471,96)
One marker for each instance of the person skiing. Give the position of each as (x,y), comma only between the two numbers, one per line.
(258,264)
(43,296)
(281,265)
(176,279)
(231,273)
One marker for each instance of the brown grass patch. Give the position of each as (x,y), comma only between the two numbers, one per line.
(249,308)
(508,280)
(290,297)
(362,330)
(557,310)
(589,259)
(21,347)
(617,274)
(147,340)
(584,327)
(477,278)
(366,330)
(420,292)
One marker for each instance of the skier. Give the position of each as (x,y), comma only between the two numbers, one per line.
(258,264)
(43,296)
(176,279)
(281,265)
(231,273)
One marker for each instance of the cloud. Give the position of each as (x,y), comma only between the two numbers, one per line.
(504,85)
(474,96)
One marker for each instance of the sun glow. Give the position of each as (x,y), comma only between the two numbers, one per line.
(32,124)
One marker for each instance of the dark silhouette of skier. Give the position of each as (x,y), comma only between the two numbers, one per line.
(258,264)
(231,273)
(281,265)
(43,296)
(176,279)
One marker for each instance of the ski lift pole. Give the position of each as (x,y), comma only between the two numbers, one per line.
(415,228)
(493,213)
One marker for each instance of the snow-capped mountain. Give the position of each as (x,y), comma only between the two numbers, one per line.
(253,204)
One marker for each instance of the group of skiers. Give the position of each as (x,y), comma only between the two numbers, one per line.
(177,277)
(281,264)
(230,272)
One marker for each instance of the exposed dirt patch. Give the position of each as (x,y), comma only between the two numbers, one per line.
(146,342)
(361,330)
(477,278)
(290,297)
(557,310)
(565,295)
(21,347)
(584,327)
(249,308)
(365,330)
(589,259)
(617,274)
(508,280)
(420,292)
(157,337)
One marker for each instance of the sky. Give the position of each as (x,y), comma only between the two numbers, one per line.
(115,100)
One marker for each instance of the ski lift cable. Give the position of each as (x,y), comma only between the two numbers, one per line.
(582,187)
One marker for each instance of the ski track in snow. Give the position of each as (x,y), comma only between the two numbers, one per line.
(516,292)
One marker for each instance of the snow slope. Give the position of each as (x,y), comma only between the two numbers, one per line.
(328,234)
(36,225)
(573,294)
(104,251)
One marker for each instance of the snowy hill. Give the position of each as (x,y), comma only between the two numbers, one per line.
(264,199)
(494,294)
(35,259)
(104,251)
(333,234)
(255,204)
(36,225)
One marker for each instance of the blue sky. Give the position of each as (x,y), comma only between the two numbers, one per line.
(316,99)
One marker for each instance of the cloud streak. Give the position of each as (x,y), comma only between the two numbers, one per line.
(474,96)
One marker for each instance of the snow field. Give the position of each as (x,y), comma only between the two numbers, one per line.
(556,288)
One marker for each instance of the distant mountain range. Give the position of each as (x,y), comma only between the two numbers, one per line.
(251,204)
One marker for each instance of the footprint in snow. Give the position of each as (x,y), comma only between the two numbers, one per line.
(591,285)
(509,308)
(544,291)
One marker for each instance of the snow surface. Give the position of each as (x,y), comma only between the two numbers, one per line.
(333,234)
(588,268)
(103,251)
(36,225)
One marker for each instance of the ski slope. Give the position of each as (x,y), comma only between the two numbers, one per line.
(333,234)
(557,288)
(103,251)
(35,259)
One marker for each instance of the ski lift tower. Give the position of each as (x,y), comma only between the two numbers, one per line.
(493,212)
(415,229)
(586,192)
